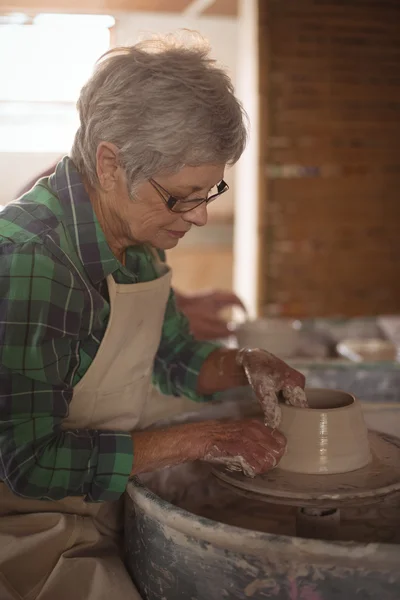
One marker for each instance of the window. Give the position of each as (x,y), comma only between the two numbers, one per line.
(44,63)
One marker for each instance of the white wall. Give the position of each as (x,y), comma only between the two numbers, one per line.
(18,168)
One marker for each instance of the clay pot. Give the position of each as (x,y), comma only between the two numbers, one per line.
(275,335)
(329,437)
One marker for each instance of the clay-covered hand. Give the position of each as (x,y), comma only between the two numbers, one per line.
(269,376)
(246,445)
(203,312)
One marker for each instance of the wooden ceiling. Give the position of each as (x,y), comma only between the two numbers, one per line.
(226,8)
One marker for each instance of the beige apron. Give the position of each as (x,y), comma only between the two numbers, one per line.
(169,409)
(70,549)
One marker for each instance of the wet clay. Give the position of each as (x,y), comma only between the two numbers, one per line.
(328,437)
(193,488)
(232,463)
(269,376)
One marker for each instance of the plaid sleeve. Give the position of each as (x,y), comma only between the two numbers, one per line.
(40,318)
(180,356)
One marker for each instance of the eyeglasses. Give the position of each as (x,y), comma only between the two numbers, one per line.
(180,205)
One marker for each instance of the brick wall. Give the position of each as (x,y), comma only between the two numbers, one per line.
(330,156)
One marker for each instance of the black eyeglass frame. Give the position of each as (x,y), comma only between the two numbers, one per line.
(171,201)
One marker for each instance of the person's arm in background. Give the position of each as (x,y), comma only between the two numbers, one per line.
(185,345)
(203,310)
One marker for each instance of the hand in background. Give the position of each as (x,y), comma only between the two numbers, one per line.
(203,311)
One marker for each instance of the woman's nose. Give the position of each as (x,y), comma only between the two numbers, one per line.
(198,216)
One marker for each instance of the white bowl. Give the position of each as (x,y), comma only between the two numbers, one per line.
(329,437)
(278,336)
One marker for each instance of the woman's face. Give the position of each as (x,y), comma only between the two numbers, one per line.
(145,218)
(151,221)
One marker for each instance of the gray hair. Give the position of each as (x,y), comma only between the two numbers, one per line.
(165,104)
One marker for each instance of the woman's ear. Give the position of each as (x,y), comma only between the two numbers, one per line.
(107,165)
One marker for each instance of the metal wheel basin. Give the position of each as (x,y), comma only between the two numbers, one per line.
(172,553)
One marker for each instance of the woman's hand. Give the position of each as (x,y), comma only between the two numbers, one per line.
(268,375)
(246,445)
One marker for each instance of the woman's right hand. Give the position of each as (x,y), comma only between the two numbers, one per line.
(245,445)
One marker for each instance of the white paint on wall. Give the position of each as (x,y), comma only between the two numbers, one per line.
(247,170)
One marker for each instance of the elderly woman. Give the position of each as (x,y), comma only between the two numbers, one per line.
(88,317)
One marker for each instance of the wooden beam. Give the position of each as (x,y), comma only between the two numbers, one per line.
(223,8)
(93,6)
(196,7)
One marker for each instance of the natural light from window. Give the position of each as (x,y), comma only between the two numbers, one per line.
(44,63)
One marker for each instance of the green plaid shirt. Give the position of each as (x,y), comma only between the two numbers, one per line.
(54,310)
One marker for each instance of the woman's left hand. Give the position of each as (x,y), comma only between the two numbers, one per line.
(268,375)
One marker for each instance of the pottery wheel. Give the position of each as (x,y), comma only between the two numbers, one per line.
(380,478)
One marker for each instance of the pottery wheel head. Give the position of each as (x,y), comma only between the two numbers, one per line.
(369,484)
